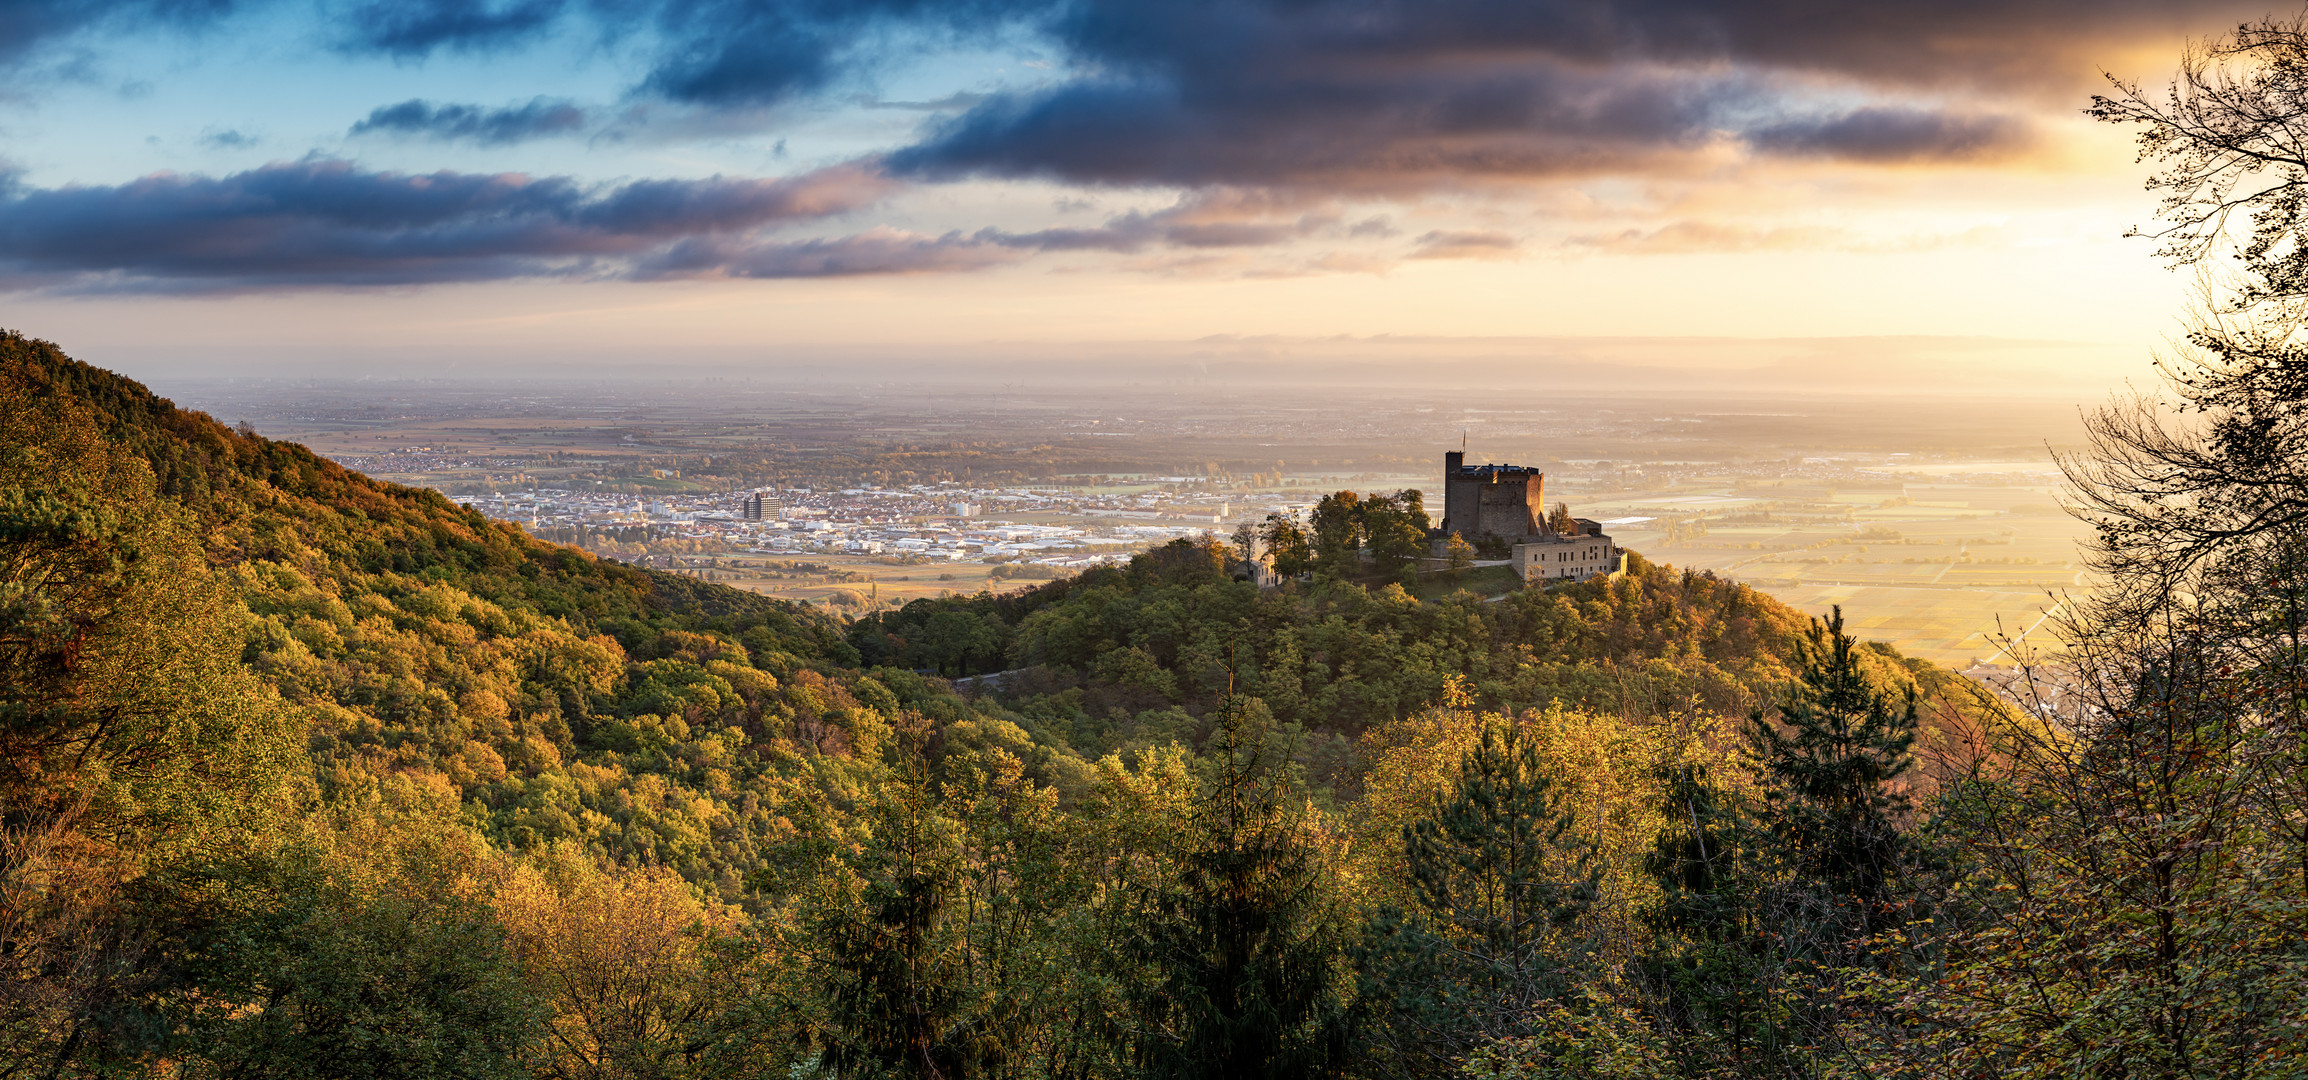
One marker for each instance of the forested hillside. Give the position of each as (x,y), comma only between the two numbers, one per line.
(304,775)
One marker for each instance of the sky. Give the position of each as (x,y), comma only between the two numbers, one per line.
(352,187)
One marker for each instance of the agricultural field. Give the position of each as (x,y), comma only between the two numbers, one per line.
(855,584)
(1943,564)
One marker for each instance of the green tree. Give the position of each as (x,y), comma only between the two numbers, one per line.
(1832,794)
(365,953)
(131,737)
(1766,907)
(1500,892)
(1713,973)
(1288,545)
(1338,534)
(1395,527)
(896,993)
(1229,958)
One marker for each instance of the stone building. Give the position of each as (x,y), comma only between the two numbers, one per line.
(1506,502)
(1506,505)
(1569,556)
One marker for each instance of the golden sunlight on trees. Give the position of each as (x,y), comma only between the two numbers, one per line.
(633,970)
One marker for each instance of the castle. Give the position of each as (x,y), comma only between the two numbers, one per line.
(1505,506)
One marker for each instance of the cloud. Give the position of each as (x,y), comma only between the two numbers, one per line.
(331,223)
(408,29)
(1465,245)
(1894,135)
(721,53)
(948,103)
(540,118)
(878,251)
(1205,220)
(1716,238)
(228,139)
(1269,115)
(1394,96)
(28,28)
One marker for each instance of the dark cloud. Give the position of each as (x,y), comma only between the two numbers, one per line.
(751,53)
(29,27)
(1304,103)
(1893,135)
(717,53)
(1404,94)
(1364,94)
(414,28)
(1386,131)
(539,118)
(332,223)
(880,251)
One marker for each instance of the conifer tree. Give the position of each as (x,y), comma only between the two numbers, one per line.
(1833,798)
(1712,970)
(1763,906)
(1500,892)
(1229,960)
(894,999)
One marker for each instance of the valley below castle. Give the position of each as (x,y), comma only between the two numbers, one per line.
(1936,522)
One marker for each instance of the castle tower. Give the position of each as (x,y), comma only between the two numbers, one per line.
(1505,501)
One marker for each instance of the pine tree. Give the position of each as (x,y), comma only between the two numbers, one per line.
(1229,960)
(1833,798)
(1496,931)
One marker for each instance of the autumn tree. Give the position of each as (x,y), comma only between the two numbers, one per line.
(1458,556)
(1244,541)
(130,733)
(633,975)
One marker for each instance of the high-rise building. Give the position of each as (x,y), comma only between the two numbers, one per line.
(762,506)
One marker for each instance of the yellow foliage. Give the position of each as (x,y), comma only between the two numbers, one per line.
(1604,766)
(619,956)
